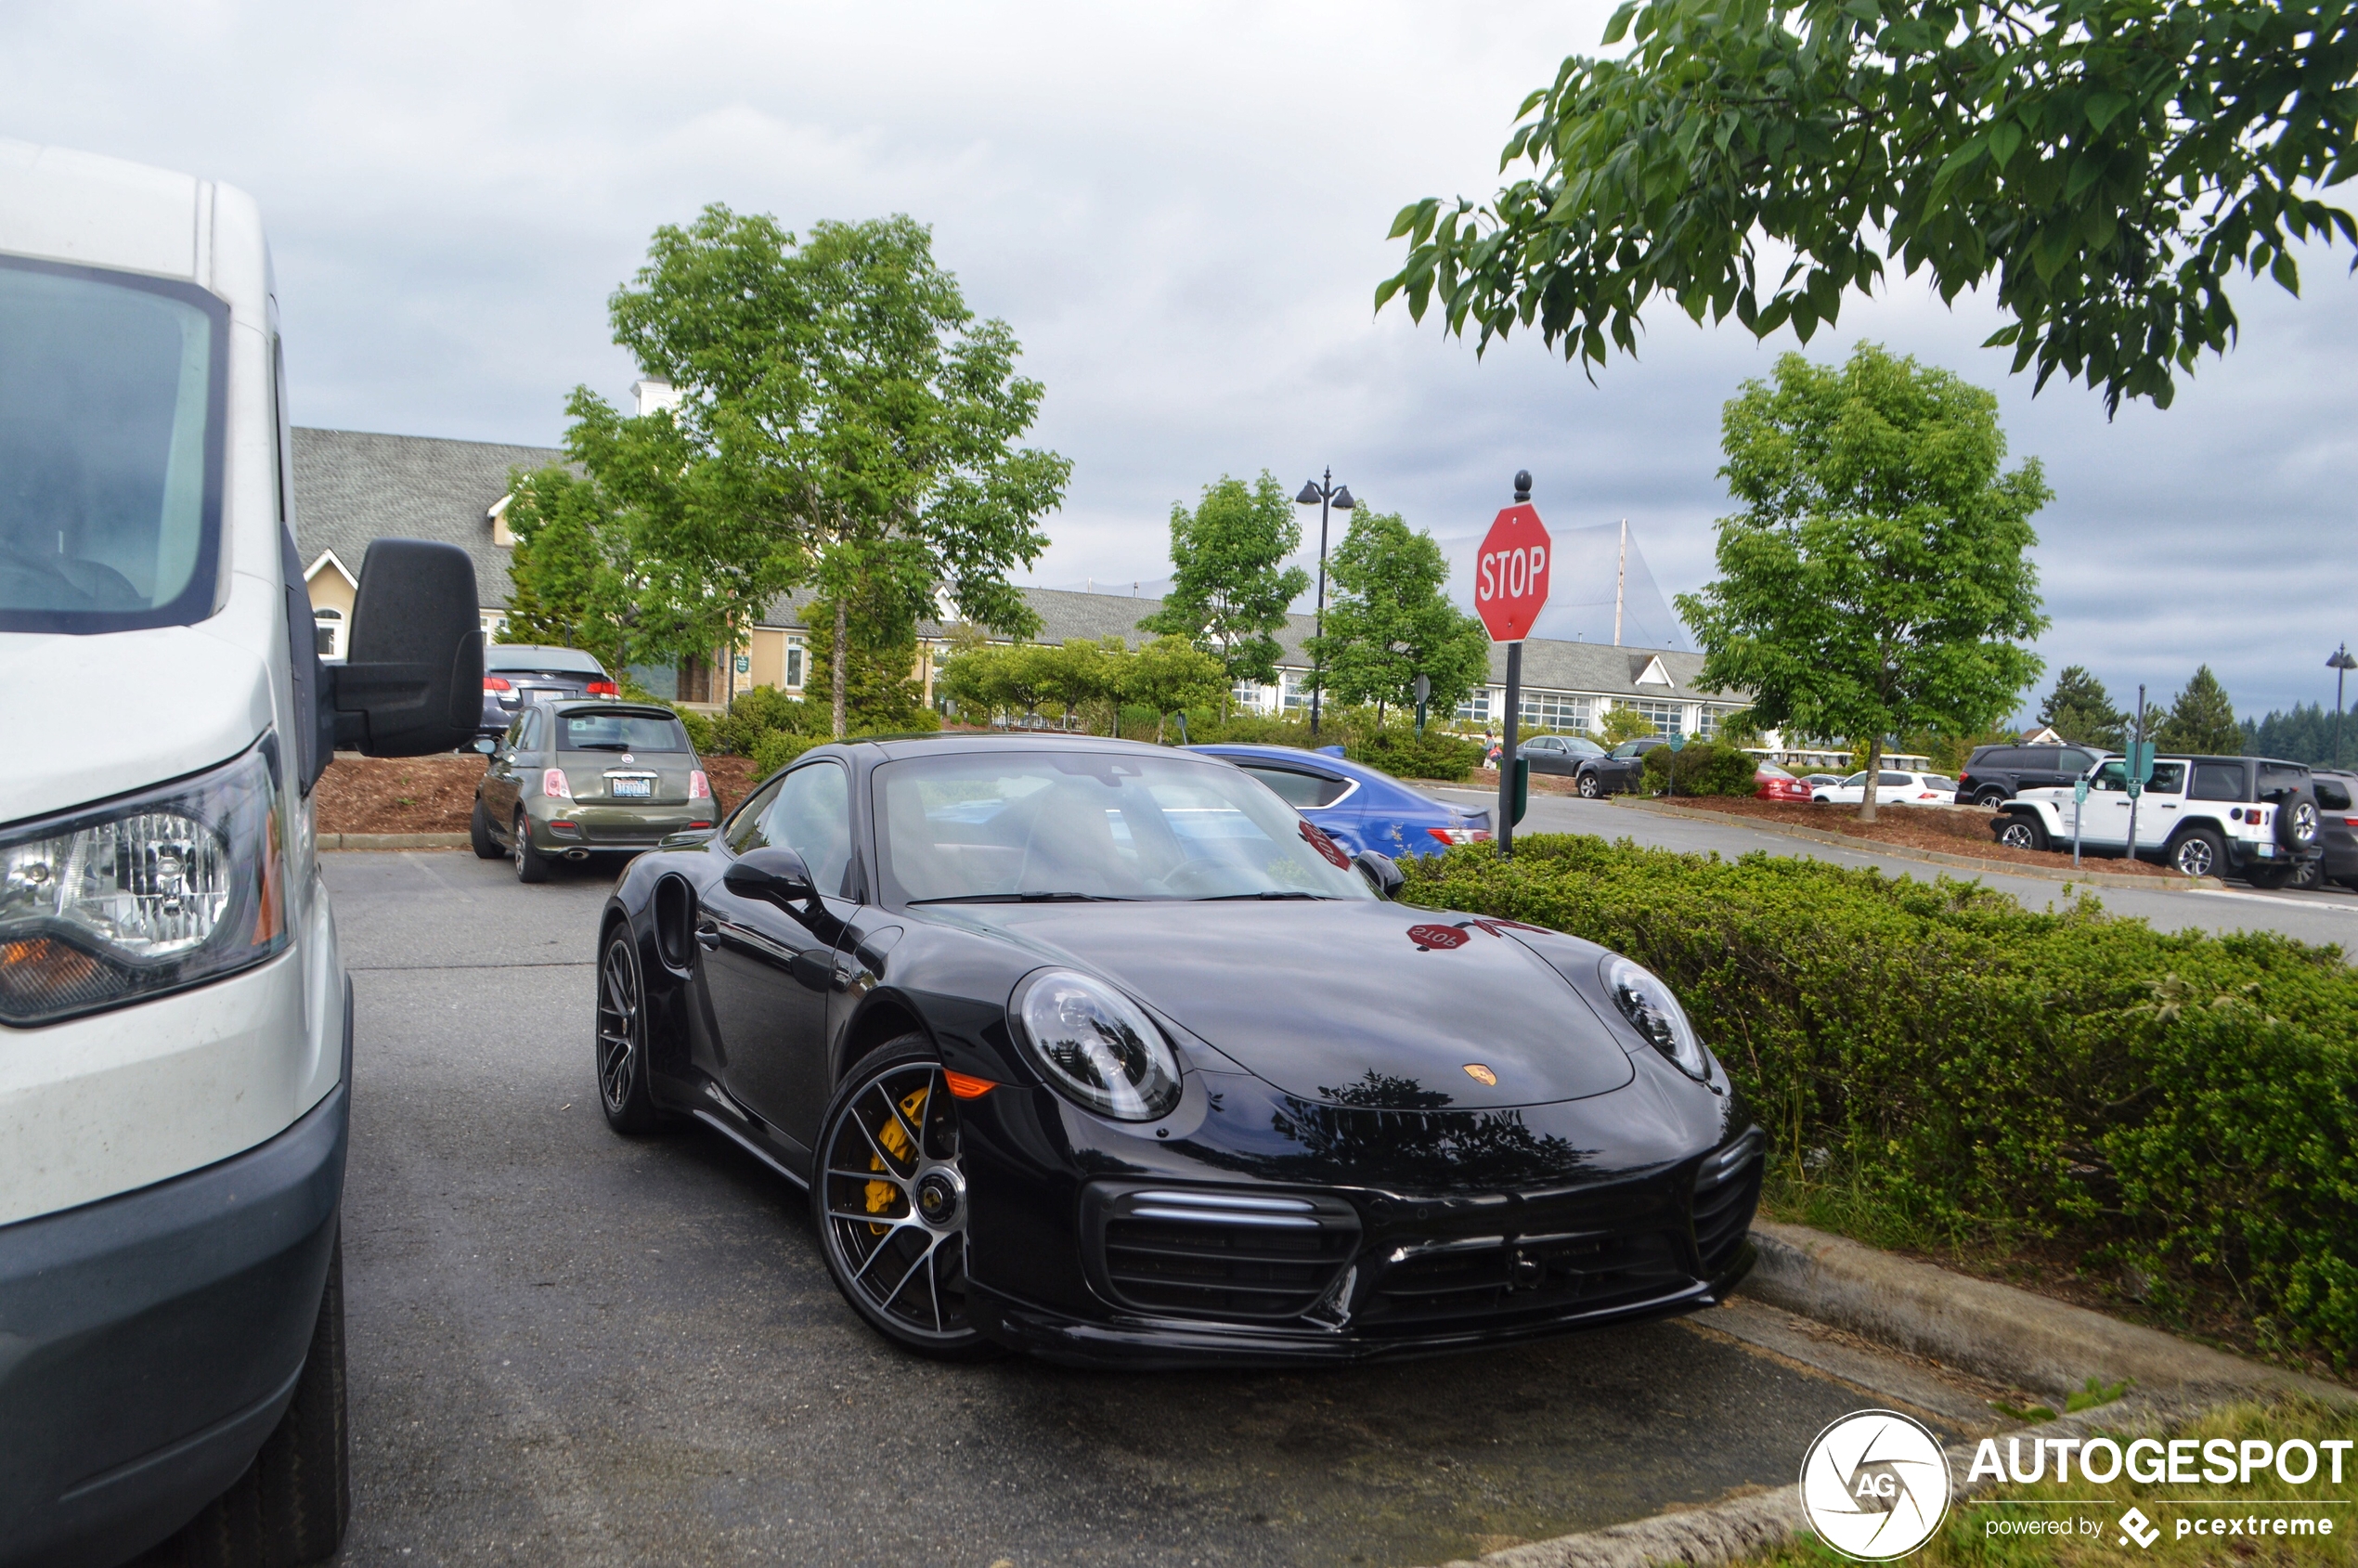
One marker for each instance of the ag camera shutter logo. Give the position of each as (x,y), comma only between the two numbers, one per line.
(1875,1486)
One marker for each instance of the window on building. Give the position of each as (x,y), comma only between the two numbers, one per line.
(1475,709)
(1295,689)
(1553,710)
(1669,718)
(794,664)
(1248,694)
(1707,724)
(330,625)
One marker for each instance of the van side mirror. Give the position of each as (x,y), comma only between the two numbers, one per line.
(772,874)
(486,746)
(1380,872)
(412,683)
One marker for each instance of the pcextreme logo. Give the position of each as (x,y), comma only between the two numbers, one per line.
(1875,1486)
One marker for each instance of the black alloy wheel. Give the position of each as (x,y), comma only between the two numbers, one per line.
(2298,824)
(890,1201)
(479,834)
(2019,832)
(1590,789)
(2310,875)
(2200,853)
(531,864)
(623,1089)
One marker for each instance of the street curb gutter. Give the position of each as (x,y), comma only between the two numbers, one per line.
(1994,1331)
(392,841)
(1934,857)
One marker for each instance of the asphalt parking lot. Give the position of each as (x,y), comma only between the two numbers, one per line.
(2321,917)
(568,1347)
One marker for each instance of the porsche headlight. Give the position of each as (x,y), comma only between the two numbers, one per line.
(1655,1013)
(162,889)
(1096,1047)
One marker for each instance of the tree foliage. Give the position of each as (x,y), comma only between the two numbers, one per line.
(1391,620)
(1230,584)
(2202,719)
(2111,163)
(568,590)
(1624,724)
(2079,710)
(2302,734)
(1876,581)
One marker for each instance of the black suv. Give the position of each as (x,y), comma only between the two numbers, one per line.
(1623,768)
(2000,772)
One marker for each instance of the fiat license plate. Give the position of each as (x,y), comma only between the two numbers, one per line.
(629,789)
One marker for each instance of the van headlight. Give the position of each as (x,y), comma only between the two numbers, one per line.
(1654,1012)
(150,893)
(1096,1047)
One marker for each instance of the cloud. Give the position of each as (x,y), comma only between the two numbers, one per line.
(1180,210)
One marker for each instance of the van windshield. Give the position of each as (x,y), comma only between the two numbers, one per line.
(111,435)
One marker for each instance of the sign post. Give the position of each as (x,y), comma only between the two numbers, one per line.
(2138,768)
(2079,799)
(1424,690)
(1510,588)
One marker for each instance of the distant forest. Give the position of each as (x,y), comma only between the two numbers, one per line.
(2305,734)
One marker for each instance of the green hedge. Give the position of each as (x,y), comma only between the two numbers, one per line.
(1405,755)
(2180,1104)
(1704,768)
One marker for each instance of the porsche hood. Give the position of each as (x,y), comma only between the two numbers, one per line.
(1366,1004)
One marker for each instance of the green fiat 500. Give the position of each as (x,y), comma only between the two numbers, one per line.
(570,779)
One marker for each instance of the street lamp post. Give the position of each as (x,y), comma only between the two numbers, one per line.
(1326,494)
(2341,663)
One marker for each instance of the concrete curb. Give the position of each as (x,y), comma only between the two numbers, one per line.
(1932,857)
(392,841)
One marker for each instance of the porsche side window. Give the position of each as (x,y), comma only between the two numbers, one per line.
(745,828)
(1301,791)
(813,816)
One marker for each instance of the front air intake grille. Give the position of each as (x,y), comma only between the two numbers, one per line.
(1489,1276)
(1211,1253)
(1727,1191)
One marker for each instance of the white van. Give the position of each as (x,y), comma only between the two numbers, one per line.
(175,1026)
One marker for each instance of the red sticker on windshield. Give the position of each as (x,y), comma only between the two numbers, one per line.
(1326,845)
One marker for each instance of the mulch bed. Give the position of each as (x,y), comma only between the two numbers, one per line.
(1956,830)
(438,794)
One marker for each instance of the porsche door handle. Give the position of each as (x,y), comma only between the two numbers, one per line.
(708,938)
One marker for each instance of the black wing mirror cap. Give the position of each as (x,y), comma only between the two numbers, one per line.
(412,682)
(772,874)
(1380,872)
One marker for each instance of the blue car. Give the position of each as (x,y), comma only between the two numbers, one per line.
(1359,808)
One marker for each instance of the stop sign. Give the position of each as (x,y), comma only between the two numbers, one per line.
(1510,575)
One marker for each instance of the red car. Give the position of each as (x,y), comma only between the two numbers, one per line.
(1777,784)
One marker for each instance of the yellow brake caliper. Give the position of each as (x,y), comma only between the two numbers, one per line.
(881,1194)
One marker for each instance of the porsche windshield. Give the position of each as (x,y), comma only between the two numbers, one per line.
(1042,825)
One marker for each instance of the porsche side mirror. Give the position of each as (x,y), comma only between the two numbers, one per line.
(772,874)
(412,682)
(1382,875)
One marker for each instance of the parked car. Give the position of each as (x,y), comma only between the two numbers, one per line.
(575,779)
(518,674)
(2000,772)
(1200,1093)
(1558,753)
(1815,780)
(1620,769)
(2251,817)
(1358,807)
(1774,784)
(2336,831)
(177,1021)
(1893,787)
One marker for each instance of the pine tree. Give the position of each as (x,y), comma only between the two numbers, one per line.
(2202,720)
(2079,710)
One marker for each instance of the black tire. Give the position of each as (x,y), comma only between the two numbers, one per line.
(893,1118)
(2197,852)
(2269,879)
(1592,788)
(2310,875)
(2298,824)
(479,834)
(292,1503)
(531,864)
(2019,830)
(620,1039)
(1992,795)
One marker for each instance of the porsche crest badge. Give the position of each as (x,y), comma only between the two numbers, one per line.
(1481,1074)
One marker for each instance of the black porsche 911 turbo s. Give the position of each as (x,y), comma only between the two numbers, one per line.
(1098,1050)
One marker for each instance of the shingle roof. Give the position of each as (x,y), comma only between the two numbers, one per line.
(351,486)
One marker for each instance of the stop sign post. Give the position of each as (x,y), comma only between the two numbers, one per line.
(1510,588)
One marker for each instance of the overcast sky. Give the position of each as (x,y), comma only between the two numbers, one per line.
(1180,210)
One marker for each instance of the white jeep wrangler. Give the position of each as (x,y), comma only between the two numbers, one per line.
(2252,816)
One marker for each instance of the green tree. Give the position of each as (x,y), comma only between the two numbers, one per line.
(2111,163)
(1624,724)
(1171,673)
(842,400)
(878,687)
(1230,585)
(566,593)
(1876,581)
(2202,719)
(1391,621)
(2079,709)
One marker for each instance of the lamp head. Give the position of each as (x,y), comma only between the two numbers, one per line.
(1311,495)
(2341,659)
(1342,499)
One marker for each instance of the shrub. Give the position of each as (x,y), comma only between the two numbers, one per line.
(779,747)
(1404,754)
(1704,768)
(763,710)
(700,730)
(2176,1102)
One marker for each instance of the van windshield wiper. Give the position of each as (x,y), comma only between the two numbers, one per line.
(1027,898)
(1286,893)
